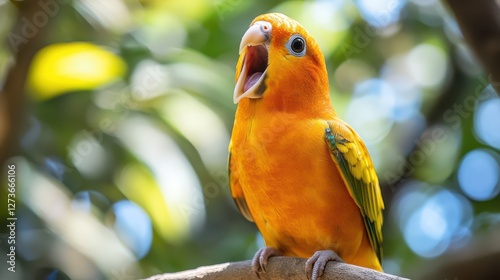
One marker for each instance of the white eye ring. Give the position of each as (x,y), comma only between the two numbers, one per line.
(296,46)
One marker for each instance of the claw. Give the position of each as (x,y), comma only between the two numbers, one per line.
(259,261)
(315,265)
(263,263)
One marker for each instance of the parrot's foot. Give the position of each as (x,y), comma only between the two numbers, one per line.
(259,261)
(315,265)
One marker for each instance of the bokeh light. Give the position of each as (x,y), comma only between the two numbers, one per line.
(88,155)
(133,226)
(370,110)
(432,219)
(486,124)
(391,266)
(380,13)
(200,125)
(479,174)
(113,14)
(329,24)
(149,80)
(427,65)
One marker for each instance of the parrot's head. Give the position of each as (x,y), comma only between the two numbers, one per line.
(280,62)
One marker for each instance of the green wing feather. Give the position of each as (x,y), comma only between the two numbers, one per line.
(353,161)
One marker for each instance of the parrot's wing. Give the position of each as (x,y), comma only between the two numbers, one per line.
(237,191)
(354,163)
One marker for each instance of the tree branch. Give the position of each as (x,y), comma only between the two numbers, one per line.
(480,25)
(279,268)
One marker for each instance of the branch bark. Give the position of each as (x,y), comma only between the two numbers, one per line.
(279,268)
(479,22)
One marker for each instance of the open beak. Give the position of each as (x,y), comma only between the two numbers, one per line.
(251,82)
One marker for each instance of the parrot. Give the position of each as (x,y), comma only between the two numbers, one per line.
(297,170)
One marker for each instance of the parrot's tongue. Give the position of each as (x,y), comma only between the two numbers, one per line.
(250,83)
(252,80)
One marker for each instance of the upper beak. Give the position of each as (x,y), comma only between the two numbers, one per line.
(256,41)
(257,34)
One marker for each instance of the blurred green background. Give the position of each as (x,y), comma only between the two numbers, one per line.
(122,172)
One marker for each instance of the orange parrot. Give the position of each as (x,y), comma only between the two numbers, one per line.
(296,169)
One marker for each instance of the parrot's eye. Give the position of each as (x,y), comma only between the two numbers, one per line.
(296,45)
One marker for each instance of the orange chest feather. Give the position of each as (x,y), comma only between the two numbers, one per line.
(290,182)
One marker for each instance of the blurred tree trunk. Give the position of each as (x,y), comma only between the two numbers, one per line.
(479,22)
(23,40)
(279,268)
(477,260)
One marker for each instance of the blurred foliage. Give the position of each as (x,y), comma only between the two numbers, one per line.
(53,72)
(123,172)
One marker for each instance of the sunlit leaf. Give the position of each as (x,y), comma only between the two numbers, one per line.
(65,67)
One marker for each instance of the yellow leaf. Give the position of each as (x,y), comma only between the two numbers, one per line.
(64,67)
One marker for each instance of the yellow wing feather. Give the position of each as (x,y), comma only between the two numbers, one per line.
(354,163)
